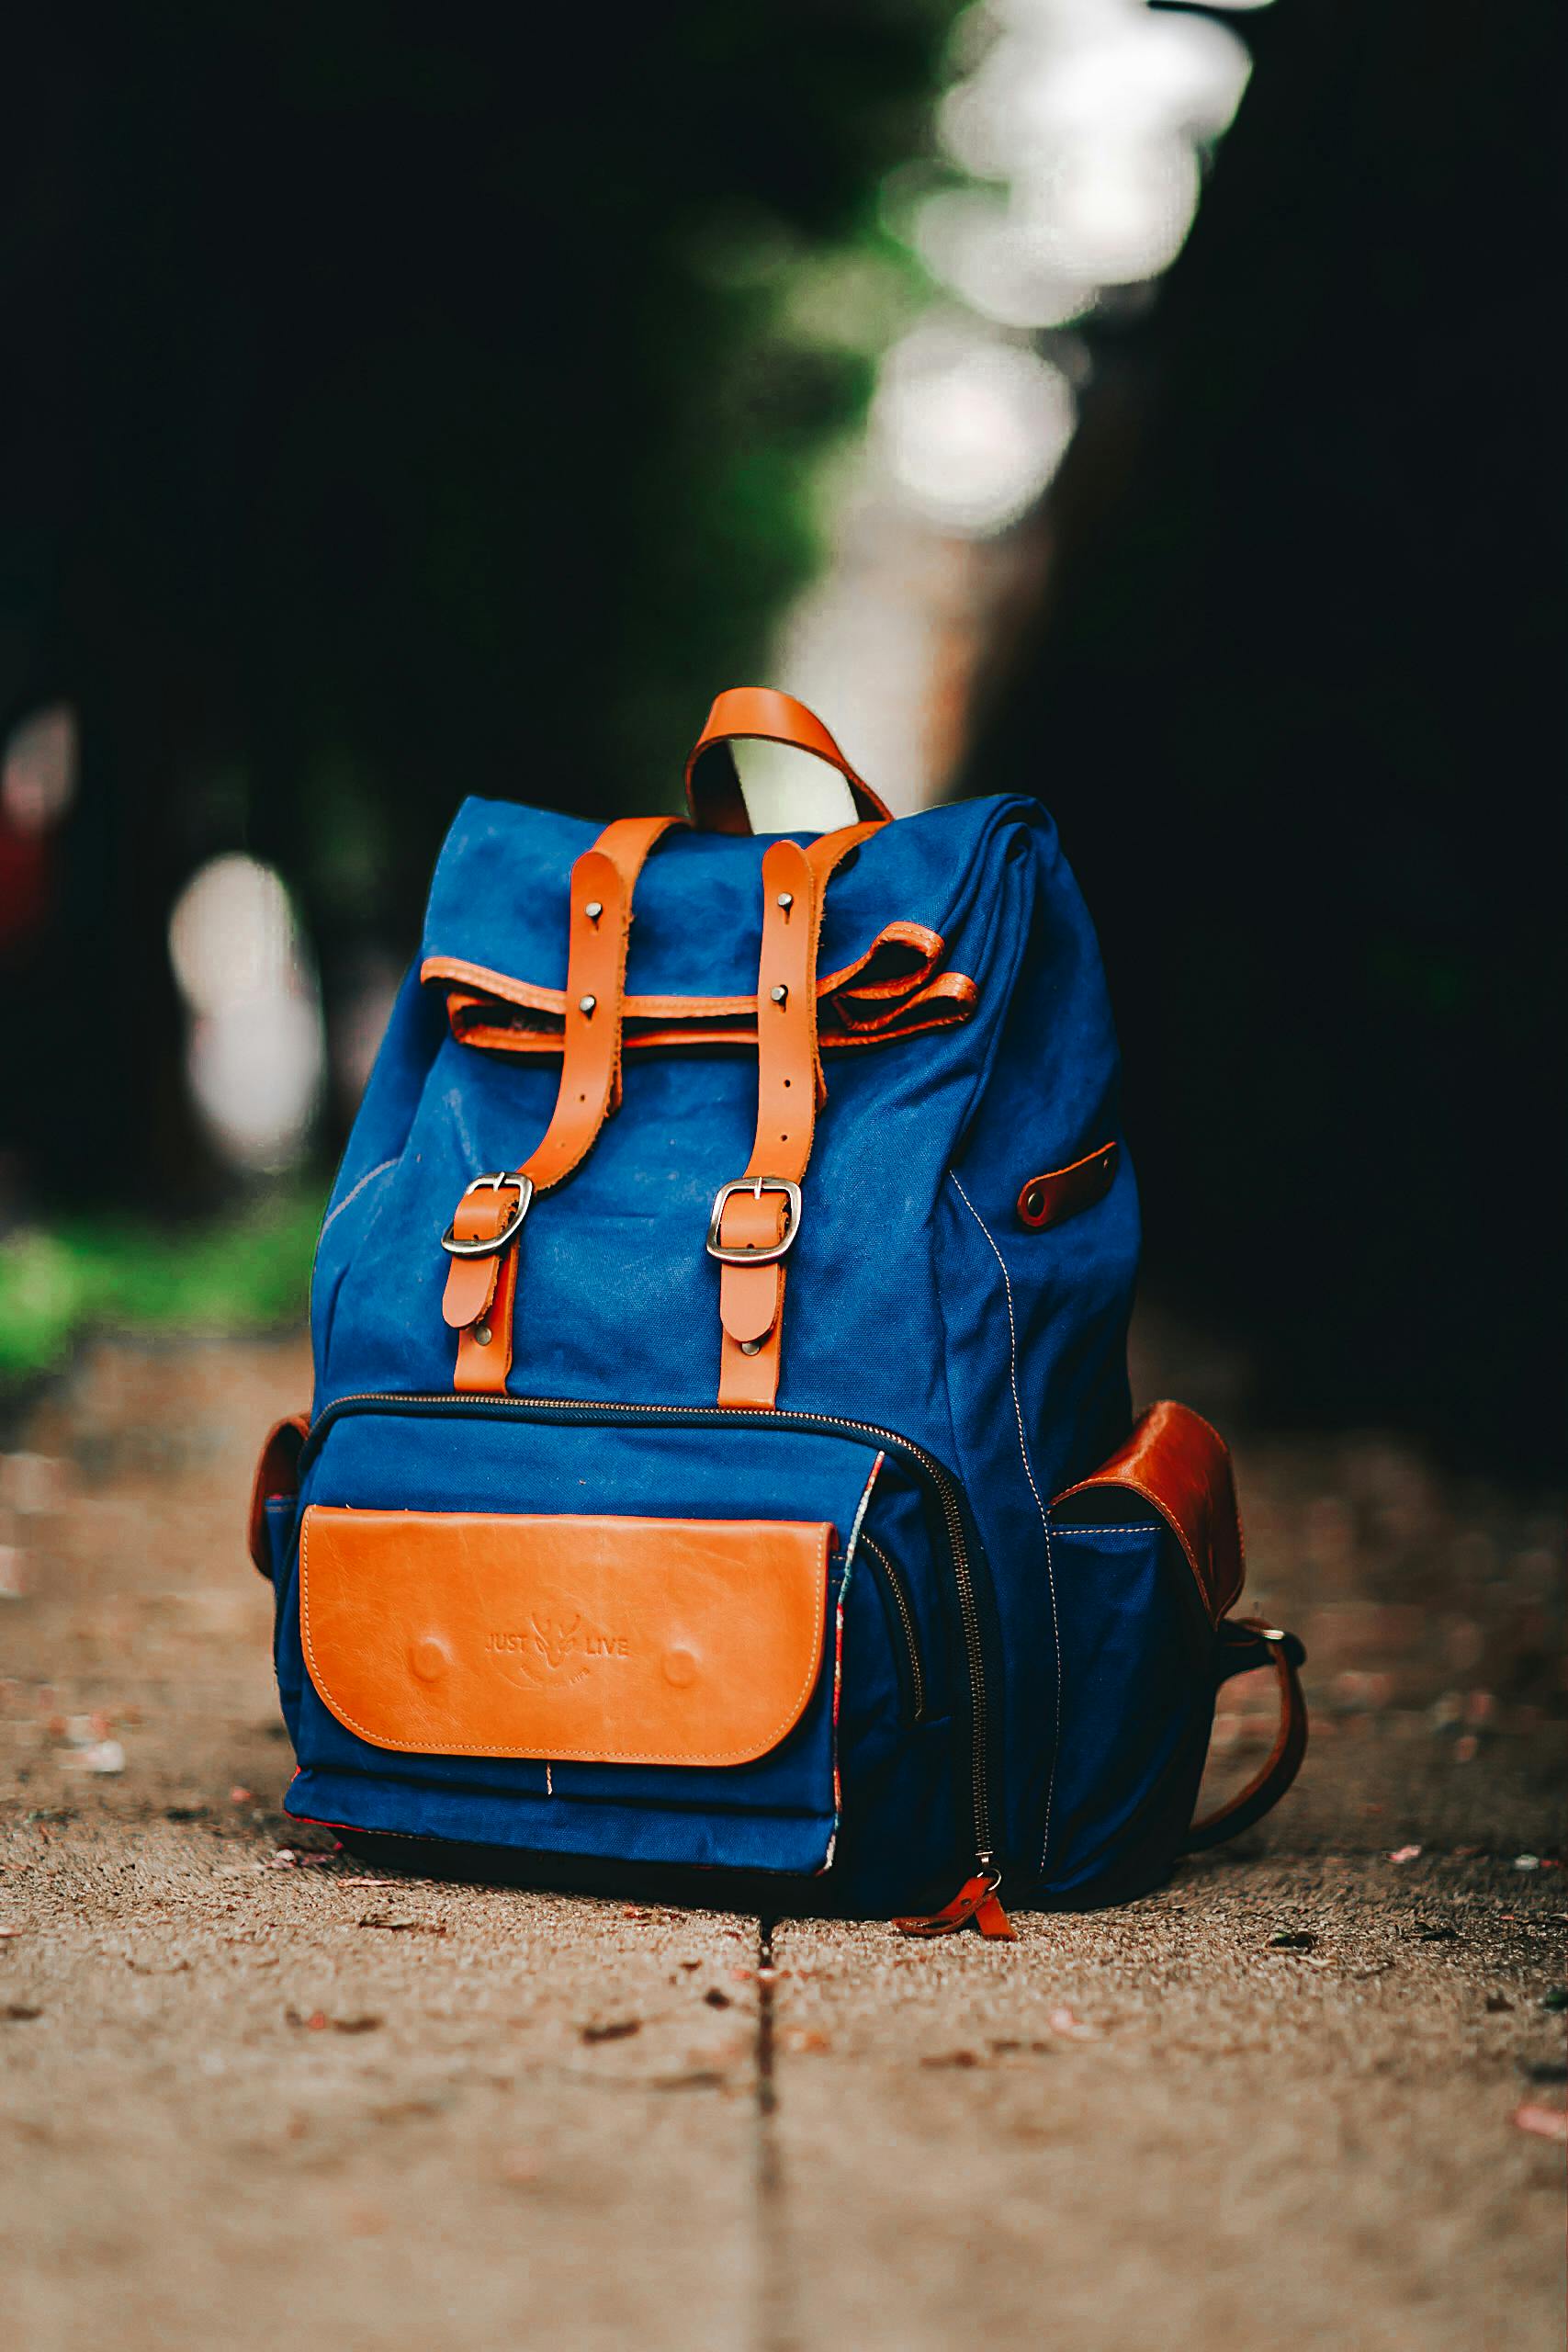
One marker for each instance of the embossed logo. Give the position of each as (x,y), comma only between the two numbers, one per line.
(558,1649)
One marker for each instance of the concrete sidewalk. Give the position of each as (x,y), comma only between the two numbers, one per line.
(1303,2096)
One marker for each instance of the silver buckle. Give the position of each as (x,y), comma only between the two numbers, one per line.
(757,1185)
(524,1185)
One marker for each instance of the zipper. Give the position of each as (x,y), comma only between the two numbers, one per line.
(893,1584)
(934,1474)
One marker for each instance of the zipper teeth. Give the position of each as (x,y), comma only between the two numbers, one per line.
(968,1608)
(905,1617)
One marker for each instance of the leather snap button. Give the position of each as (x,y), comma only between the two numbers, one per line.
(428,1657)
(680,1669)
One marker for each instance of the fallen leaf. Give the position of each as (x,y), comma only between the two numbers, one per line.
(241,1796)
(1293,1940)
(1496,2002)
(1404,1853)
(617,2031)
(718,2000)
(1546,2122)
(355,2025)
(20,2012)
(1526,1861)
(406,1927)
(955,2058)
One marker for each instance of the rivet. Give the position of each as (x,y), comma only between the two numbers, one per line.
(1035,1200)
(593,909)
(751,1347)
(586,1004)
(482,1334)
(785,899)
(780,994)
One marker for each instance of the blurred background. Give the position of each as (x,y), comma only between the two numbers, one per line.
(1137,405)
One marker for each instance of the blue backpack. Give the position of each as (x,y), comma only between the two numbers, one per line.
(722,1456)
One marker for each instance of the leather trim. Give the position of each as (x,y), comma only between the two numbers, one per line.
(1063,1192)
(593,1640)
(763,715)
(894,990)
(1175,1460)
(277,1478)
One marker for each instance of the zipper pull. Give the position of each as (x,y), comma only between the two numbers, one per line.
(976,1900)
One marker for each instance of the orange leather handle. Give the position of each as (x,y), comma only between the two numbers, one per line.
(759,715)
(1246,1642)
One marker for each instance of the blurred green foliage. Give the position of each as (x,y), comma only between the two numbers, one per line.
(244,1273)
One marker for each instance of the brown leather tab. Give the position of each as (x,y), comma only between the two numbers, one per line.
(601,1640)
(751,1296)
(1284,1761)
(1177,1461)
(470,1282)
(1063,1192)
(763,715)
(602,880)
(276,1476)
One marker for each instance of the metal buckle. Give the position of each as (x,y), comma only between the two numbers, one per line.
(757,1185)
(525,1187)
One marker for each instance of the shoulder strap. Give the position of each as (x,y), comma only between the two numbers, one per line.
(1246,1642)
(481,1282)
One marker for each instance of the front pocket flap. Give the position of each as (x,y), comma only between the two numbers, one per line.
(1177,1461)
(604,1641)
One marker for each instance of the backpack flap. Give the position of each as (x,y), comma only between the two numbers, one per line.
(598,1640)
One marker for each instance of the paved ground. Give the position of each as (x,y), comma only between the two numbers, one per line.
(1310,2094)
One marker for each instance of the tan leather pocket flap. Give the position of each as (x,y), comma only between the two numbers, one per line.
(608,1641)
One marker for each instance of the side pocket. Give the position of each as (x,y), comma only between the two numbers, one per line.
(1146,1555)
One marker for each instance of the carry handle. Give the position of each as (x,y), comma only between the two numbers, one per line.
(761,715)
(1246,1642)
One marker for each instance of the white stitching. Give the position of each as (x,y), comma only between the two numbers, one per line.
(1039,1505)
(353,1195)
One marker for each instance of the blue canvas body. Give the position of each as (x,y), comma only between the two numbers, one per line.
(1001,1676)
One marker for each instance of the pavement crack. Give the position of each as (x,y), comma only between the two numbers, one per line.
(775,2329)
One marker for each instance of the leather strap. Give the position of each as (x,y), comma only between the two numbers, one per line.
(1246,1642)
(790,1089)
(482,1292)
(763,715)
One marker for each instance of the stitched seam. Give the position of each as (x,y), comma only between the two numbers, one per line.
(1039,1505)
(349,1197)
(1091,1527)
(560,1755)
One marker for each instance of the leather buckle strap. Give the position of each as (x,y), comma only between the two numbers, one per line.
(757,1216)
(754,1253)
(487,1245)
(481,1242)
